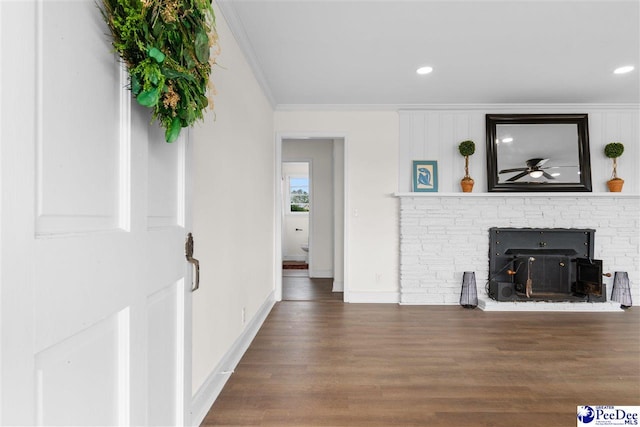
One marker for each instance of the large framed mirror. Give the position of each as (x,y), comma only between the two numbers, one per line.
(538,152)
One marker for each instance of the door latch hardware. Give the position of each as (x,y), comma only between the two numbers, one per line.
(188,250)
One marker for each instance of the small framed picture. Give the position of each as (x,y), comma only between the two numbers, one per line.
(425,175)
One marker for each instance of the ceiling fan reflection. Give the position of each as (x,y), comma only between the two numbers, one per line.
(534,169)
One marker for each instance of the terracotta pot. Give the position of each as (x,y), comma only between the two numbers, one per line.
(467,185)
(615,185)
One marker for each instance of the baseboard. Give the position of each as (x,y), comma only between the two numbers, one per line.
(373,297)
(209,391)
(338,286)
(321,274)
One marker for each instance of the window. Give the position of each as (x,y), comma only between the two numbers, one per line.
(298,194)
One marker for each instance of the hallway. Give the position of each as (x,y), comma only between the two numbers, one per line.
(302,288)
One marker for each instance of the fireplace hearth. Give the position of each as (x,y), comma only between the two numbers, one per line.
(544,264)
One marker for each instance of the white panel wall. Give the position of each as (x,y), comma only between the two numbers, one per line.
(233,214)
(615,125)
(435,135)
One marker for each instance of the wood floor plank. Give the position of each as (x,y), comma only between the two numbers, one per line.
(329,364)
(309,289)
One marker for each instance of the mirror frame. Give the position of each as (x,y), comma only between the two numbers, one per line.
(584,158)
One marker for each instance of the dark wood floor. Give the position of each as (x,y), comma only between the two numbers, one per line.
(302,288)
(322,363)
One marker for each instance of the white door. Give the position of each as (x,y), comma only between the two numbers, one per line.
(95,291)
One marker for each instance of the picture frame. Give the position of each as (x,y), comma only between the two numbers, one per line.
(538,152)
(425,175)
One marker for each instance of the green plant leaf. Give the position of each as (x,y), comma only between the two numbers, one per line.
(157,29)
(135,84)
(156,54)
(149,98)
(145,29)
(191,115)
(188,60)
(173,131)
(204,101)
(202,46)
(171,73)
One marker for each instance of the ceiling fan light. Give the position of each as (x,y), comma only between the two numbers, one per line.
(536,174)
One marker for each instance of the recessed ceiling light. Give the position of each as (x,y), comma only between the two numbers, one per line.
(424,70)
(624,70)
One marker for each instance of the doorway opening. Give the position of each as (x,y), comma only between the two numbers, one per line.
(311,204)
(296,208)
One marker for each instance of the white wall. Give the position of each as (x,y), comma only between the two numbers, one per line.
(371,153)
(320,153)
(375,138)
(233,210)
(435,134)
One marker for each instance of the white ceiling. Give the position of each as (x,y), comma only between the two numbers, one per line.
(363,52)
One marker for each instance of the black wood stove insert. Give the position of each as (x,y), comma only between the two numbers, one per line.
(544,264)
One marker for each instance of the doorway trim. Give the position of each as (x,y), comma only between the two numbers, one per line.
(279,190)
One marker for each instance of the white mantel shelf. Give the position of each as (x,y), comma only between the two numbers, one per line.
(520,194)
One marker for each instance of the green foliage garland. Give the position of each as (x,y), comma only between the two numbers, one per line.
(166,47)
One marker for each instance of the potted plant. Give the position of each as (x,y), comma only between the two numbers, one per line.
(467,148)
(613,150)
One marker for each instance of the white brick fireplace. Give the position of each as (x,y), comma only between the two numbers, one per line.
(444,234)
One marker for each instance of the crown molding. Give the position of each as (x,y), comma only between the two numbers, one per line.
(228,10)
(337,107)
(454,107)
(522,106)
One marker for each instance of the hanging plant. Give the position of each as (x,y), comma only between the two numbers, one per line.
(166,46)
